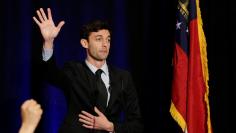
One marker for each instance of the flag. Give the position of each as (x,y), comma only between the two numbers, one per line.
(189,100)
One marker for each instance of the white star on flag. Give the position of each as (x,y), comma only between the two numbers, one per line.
(178,25)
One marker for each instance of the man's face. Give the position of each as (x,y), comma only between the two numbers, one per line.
(99,44)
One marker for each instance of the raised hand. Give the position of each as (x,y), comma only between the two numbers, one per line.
(30,114)
(47,27)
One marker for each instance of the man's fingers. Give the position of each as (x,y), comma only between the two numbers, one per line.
(86,118)
(27,103)
(43,14)
(36,21)
(60,25)
(31,105)
(38,107)
(40,16)
(87,114)
(87,126)
(98,111)
(49,14)
(86,122)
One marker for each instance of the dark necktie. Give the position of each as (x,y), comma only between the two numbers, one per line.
(102,95)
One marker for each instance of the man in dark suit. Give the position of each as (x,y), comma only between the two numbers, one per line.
(98,94)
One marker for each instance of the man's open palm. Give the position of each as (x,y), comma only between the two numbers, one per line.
(47,27)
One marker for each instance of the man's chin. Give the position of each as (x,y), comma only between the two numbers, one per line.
(101,58)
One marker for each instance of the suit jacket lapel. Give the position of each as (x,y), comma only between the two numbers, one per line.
(115,85)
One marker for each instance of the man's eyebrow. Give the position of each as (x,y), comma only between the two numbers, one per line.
(101,36)
(98,35)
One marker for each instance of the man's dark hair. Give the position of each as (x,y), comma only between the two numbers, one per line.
(93,26)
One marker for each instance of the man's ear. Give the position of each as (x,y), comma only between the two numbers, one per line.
(84,43)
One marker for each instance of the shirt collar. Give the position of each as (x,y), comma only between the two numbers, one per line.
(94,68)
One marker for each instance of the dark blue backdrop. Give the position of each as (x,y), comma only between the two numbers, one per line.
(135,32)
(143,36)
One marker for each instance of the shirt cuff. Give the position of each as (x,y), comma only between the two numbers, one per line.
(47,54)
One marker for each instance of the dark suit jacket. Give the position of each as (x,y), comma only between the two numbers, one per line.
(78,83)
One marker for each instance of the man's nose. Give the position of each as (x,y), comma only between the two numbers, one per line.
(105,42)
